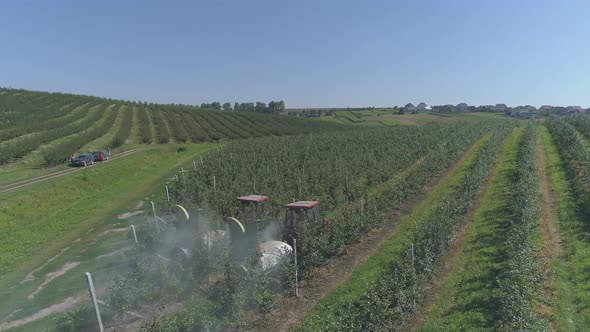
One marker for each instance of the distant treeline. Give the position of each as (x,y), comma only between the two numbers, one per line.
(272,107)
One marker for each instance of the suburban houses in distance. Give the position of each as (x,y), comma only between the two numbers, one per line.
(524,111)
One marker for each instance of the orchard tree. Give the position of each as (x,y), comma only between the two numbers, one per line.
(260,107)
(276,106)
(249,107)
(215,105)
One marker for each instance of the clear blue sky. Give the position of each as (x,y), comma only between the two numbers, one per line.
(308,53)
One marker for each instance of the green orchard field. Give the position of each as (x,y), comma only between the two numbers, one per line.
(426,221)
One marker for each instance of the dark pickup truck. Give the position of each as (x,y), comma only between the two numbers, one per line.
(83,160)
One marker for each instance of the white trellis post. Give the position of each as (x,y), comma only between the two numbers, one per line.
(194,165)
(134,233)
(361,218)
(414,271)
(167,194)
(296,272)
(94,301)
(155,217)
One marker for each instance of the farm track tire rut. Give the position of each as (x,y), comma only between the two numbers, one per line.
(25,183)
(293,310)
(551,239)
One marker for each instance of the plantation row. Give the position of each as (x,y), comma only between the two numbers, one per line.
(335,168)
(520,282)
(385,290)
(19,147)
(568,138)
(124,130)
(347,173)
(580,122)
(23,112)
(30,120)
(67,114)
(359,178)
(61,151)
(572,183)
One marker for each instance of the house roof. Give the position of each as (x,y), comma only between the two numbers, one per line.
(253,199)
(303,205)
(579,108)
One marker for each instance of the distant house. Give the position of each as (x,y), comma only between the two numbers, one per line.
(462,108)
(527,111)
(499,108)
(422,107)
(572,110)
(443,108)
(546,109)
(410,108)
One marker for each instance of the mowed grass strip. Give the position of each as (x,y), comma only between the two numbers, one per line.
(36,222)
(392,249)
(572,277)
(470,299)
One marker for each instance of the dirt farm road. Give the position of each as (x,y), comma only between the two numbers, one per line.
(5,189)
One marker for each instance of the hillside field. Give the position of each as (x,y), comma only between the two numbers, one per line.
(425,222)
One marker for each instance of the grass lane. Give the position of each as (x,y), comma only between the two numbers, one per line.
(572,280)
(377,265)
(35,223)
(470,299)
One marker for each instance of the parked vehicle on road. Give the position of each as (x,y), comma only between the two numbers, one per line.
(100,156)
(83,160)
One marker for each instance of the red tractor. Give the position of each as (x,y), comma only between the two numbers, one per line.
(253,229)
(297,213)
(247,227)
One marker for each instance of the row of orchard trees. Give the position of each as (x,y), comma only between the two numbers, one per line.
(572,142)
(398,283)
(58,125)
(570,135)
(520,281)
(59,152)
(359,178)
(260,107)
(368,170)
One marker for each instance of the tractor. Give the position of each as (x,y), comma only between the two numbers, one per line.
(296,213)
(252,231)
(245,227)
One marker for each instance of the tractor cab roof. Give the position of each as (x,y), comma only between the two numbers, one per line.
(307,205)
(253,199)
